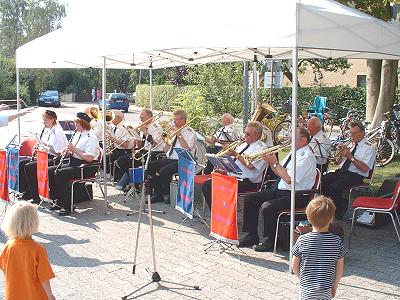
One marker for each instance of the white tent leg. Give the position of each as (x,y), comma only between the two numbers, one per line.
(245,93)
(151,84)
(18,105)
(293,158)
(103,87)
(254,100)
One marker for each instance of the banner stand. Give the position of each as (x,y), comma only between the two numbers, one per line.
(224,215)
(4,194)
(42,173)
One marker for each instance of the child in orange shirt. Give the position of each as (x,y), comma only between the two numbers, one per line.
(24,262)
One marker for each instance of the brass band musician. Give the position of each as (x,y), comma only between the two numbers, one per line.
(97,124)
(53,139)
(319,143)
(151,135)
(83,149)
(252,172)
(161,170)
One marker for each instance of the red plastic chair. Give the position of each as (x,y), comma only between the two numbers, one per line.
(298,211)
(378,205)
(27,146)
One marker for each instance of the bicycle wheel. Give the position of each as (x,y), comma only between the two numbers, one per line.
(385,151)
(328,126)
(282,132)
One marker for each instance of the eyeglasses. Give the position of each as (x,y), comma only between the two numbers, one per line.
(355,132)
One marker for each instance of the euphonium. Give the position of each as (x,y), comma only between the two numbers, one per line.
(263,109)
(258,155)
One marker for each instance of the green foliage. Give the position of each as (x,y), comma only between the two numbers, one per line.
(378,8)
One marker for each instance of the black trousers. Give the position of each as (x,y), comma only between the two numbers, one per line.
(334,183)
(125,162)
(160,175)
(323,168)
(112,157)
(243,185)
(59,183)
(210,167)
(270,202)
(23,182)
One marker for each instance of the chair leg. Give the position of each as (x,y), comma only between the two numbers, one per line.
(72,196)
(352,225)
(397,217)
(276,233)
(395,226)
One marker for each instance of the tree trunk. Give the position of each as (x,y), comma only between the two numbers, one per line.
(373,85)
(387,90)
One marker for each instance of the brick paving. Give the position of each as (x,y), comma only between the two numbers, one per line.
(92,254)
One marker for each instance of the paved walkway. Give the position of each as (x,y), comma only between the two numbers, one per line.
(92,255)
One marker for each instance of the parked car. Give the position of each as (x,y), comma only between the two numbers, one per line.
(49,98)
(115,101)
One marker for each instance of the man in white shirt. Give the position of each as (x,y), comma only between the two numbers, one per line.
(252,172)
(278,198)
(319,143)
(355,164)
(161,170)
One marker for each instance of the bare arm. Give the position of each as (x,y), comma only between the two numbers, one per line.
(17,115)
(296,265)
(338,276)
(47,288)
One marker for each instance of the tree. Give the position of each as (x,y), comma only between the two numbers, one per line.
(381,74)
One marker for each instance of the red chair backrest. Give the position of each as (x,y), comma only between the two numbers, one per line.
(27,145)
(396,192)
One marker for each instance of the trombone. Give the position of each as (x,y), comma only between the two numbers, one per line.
(230,147)
(258,155)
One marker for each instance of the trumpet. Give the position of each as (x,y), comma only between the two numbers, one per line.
(230,147)
(335,151)
(258,155)
(64,153)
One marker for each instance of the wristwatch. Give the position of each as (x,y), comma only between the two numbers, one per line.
(275,165)
(352,159)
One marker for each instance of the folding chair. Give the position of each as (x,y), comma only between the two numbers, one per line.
(92,179)
(298,211)
(378,205)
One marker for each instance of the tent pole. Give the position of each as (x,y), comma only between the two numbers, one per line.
(254,102)
(245,94)
(18,103)
(103,87)
(293,158)
(272,81)
(151,83)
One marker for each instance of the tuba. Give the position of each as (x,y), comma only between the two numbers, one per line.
(263,109)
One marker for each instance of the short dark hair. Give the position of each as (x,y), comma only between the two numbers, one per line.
(359,125)
(304,133)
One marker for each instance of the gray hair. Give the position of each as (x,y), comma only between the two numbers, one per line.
(181,113)
(258,127)
(229,117)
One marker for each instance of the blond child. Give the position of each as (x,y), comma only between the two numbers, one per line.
(318,256)
(25,262)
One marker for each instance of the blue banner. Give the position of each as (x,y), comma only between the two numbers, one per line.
(12,168)
(185,196)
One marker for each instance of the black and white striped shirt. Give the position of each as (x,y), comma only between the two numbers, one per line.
(318,252)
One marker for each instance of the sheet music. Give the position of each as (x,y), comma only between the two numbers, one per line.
(225,164)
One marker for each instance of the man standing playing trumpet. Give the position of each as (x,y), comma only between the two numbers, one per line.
(355,164)
(161,170)
(252,171)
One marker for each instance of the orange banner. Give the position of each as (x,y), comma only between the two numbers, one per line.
(3,176)
(42,173)
(223,208)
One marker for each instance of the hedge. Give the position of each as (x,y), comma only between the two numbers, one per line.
(340,98)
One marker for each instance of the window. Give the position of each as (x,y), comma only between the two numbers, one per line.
(361,80)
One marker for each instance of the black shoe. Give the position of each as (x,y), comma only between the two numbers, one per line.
(64,212)
(55,207)
(248,241)
(266,245)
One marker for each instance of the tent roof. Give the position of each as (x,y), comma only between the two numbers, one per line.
(135,34)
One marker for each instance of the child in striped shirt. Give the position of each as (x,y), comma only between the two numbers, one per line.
(318,256)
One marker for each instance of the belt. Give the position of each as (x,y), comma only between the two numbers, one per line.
(73,161)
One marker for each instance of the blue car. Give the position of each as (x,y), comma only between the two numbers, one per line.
(115,101)
(49,98)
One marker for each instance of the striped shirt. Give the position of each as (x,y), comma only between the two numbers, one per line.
(318,252)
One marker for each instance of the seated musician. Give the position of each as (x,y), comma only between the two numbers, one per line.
(151,135)
(277,198)
(355,164)
(222,137)
(319,143)
(53,139)
(96,123)
(121,140)
(83,149)
(160,171)
(252,172)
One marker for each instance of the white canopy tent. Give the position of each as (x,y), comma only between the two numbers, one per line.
(159,34)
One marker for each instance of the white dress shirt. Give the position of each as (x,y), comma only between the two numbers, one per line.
(320,145)
(189,135)
(366,153)
(87,142)
(155,130)
(256,174)
(57,139)
(121,133)
(305,170)
(3,121)
(227,133)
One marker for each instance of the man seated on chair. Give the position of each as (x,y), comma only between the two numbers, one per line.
(225,135)
(319,143)
(161,171)
(278,197)
(252,173)
(355,165)
(151,135)
(121,142)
